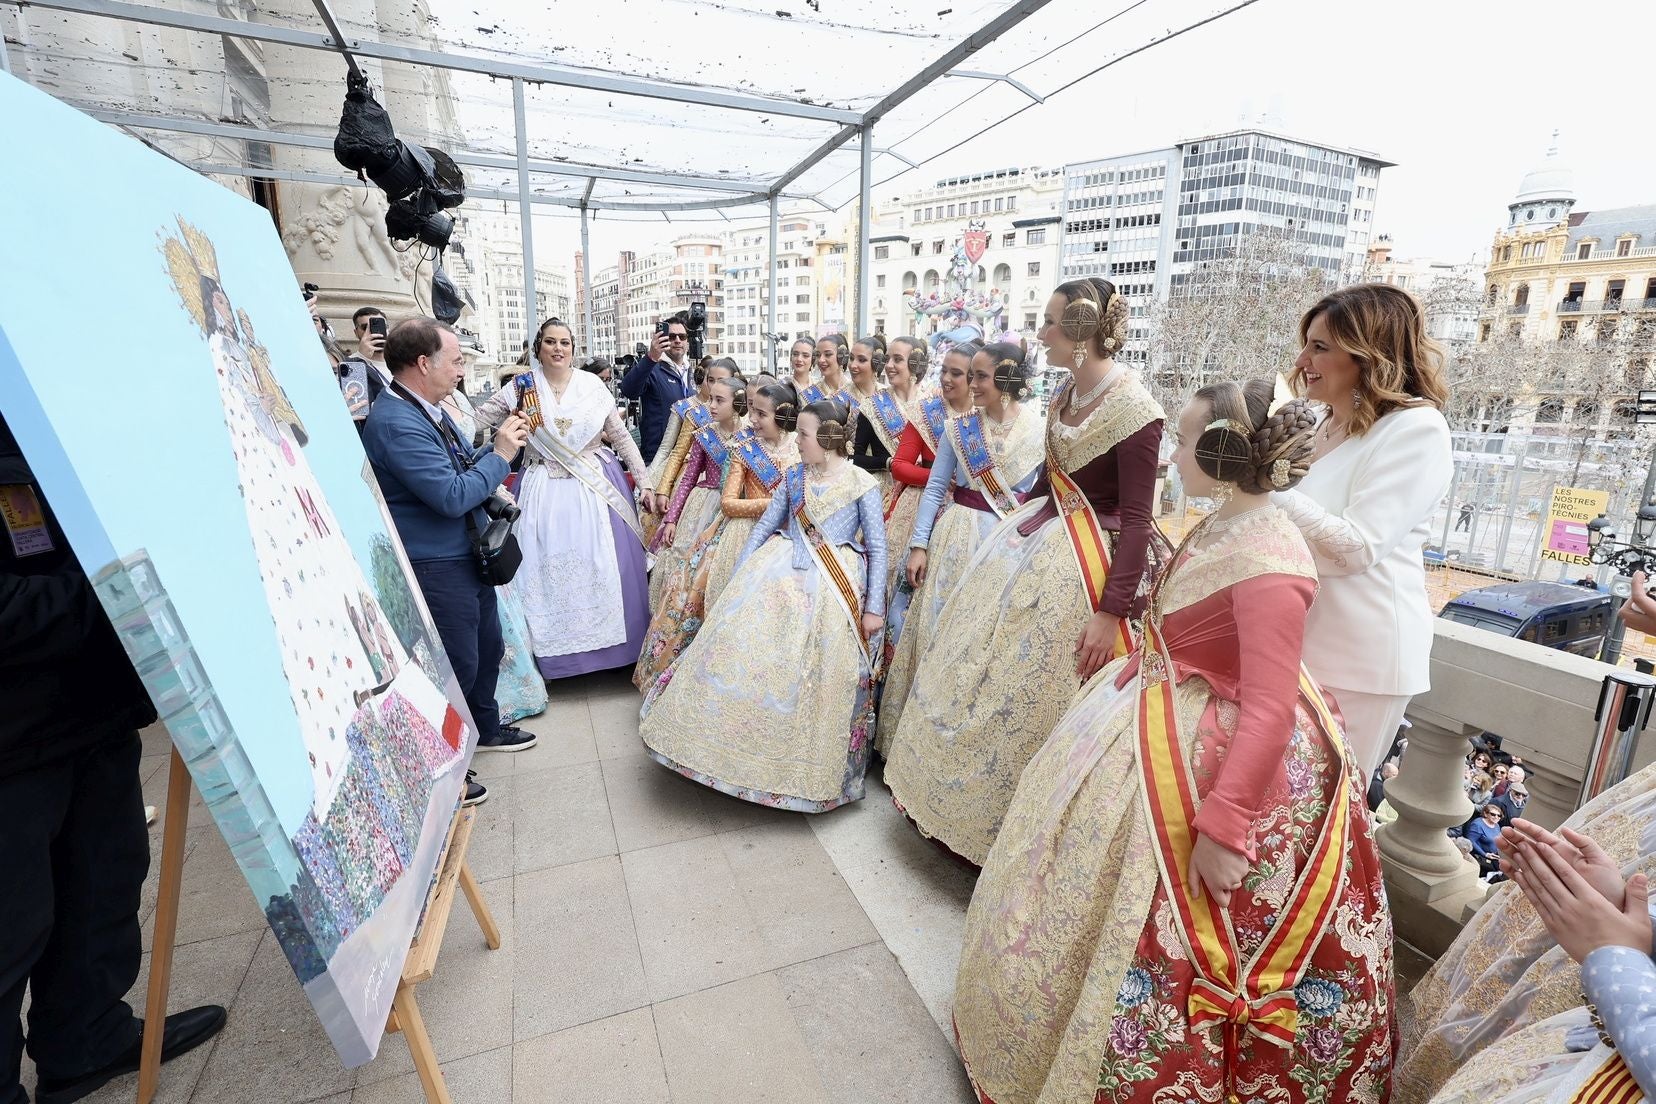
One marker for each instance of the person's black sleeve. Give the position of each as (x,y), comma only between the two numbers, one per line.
(869,452)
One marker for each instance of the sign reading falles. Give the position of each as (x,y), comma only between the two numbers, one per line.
(209,480)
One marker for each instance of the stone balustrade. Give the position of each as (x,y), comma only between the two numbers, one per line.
(1541,702)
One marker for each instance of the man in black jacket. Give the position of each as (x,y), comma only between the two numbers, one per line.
(657,381)
(71,816)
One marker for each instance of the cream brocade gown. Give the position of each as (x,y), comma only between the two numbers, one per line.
(1001,667)
(770,701)
(955,537)
(1074,976)
(1492,1013)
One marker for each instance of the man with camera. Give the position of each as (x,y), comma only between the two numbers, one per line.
(660,378)
(437,490)
(363,376)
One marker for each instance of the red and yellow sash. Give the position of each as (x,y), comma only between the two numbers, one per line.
(1257,996)
(1611,1083)
(823,553)
(1088,542)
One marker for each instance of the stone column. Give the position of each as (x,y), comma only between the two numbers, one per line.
(334,234)
(1429,881)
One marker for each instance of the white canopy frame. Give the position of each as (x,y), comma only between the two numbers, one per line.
(723,192)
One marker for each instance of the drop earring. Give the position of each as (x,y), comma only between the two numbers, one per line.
(1080,355)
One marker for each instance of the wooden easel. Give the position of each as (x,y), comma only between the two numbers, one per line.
(421,963)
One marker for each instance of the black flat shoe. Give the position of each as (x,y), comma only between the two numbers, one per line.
(184,1032)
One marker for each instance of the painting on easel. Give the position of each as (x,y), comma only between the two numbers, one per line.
(204,467)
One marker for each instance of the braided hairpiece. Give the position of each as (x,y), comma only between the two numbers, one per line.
(1281,452)
(1113,326)
(787,416)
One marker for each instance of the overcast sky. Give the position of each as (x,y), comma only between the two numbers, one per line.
(1462,94)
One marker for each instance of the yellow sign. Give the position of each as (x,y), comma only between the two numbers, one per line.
(1566,533)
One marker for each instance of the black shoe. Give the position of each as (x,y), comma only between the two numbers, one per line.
(476,792)
(184,1032)
(511,738)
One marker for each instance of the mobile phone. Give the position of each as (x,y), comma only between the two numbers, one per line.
(376,326)
(661,327)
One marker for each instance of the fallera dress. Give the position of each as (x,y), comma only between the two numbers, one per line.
(752,474)
(1089,972)
(1007,461)
(1492,1019)
(772,701)
(1000,669)
(582,583)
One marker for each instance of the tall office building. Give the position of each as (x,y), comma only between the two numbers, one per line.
(1146,220)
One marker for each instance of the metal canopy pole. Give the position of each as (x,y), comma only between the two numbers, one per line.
(865,210)
(770,311)
(586,275)
(524,216)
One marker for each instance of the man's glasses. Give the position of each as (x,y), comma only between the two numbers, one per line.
(678,337)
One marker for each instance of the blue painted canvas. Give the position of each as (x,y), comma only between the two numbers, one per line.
(164,379)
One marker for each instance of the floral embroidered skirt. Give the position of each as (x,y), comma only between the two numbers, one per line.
(770,701)
(1504,975)
(701,508)
(720,561)
(1074,981)
(899,528)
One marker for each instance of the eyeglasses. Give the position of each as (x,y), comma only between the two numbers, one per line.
(678,337)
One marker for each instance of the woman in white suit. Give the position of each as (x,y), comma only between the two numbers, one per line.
(1383,461)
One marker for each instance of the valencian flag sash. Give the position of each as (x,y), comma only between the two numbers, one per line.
(751,452)
(934,418)
(1611,1083)
(714,445)
(529,404)
(889,416)
(966,432)
(1253,998)
(694,411)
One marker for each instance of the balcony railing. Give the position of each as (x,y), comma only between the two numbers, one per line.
(1606,306)
(1609,253)
(1570,306)
(1517,308)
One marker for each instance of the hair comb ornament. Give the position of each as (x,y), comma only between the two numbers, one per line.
(1225,449)
(739,400)
(831,436)
(1081,320)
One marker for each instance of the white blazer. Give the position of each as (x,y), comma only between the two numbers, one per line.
(1365,509)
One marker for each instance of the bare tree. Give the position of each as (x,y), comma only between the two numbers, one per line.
(1236,317)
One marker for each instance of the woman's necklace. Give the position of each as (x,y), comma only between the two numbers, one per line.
(558,392)
(1079,401)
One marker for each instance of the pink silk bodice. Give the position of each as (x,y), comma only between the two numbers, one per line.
(1245,642)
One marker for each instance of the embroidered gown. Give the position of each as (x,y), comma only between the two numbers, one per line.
(771,701)
(1078,975)
(1504,996)
(753,477)
(683,419)
(1001,667)
(582,583)
(520,690)
(694,506)
(951,537)
(882,421)
(688,593)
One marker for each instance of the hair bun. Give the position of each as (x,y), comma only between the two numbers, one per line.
(1281,448)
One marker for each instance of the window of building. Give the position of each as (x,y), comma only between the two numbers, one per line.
(1551,411)
(882,252)
(928,214)
(999,202)
(1035,237)
(1011,203)
(937,247)
(1624,247)
(1567,330)
(951,213)
(1009,240)
(879,281)
(1030,321)
(916,248)
(1584,250)
(802,300)
(909,281)
(974,206)
(1613,291)
(1034,268)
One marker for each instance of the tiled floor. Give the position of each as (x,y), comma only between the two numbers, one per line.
(662,942)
